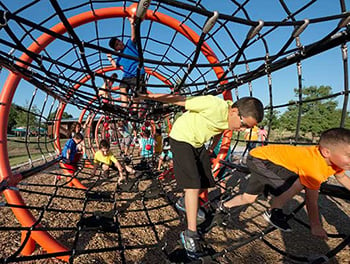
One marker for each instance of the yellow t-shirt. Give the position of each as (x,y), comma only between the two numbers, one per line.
(100,158)
(206,116)
(306,161)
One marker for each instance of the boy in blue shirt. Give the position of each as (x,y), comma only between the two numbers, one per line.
(130,66)
(70,149)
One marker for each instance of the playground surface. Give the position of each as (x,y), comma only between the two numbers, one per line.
(149,226)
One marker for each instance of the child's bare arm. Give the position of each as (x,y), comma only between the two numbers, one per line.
(68,154)
(165,98)
(313,213)
(119,167)
(343,180)
(109,56)
(94,169)
(132,27)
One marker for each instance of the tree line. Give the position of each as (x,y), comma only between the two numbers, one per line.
(24,116)
(319,111)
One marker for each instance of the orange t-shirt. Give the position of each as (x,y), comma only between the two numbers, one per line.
(306,161)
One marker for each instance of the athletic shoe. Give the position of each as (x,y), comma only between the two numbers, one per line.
(222,208)
(193,245)
(278,219)
(180,205)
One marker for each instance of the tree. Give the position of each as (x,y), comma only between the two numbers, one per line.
(12,118)
(27,117)
(65,115)
(317,114)
(271,119)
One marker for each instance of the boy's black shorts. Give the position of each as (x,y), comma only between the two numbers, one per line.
(131,83)
(113,167)
(267,177)
(191,166)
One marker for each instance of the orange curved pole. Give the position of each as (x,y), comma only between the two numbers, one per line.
(96,131)
(9,88)
(43,238)
(68,171)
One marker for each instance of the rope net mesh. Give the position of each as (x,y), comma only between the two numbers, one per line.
(53,59)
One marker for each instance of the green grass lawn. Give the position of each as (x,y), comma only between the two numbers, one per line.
(18,150)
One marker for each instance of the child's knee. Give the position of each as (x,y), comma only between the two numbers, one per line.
(105,167)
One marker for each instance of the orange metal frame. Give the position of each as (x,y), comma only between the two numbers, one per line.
(43,238)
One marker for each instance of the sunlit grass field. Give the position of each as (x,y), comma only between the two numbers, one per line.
(20,152)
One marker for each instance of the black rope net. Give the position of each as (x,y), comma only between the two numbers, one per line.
(53,60)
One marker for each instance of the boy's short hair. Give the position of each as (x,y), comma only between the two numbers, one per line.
(250,106)
(78,136)
(112,42)
(334,136)
(104,144)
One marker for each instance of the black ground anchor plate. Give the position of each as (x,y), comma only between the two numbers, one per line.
(102,221)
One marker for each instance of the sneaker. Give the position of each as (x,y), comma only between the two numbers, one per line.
(180,205)
(222,208)
(193,245)
(278,219)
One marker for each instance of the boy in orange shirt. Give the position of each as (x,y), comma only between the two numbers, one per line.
(285,170)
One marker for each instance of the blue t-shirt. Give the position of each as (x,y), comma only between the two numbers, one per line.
(129,65)
(70,144)
(147,145)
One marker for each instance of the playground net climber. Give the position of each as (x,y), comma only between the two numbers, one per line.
(55,63)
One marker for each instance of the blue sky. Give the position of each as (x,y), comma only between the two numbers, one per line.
(322,69)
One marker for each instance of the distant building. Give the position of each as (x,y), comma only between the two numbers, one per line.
(66,125)
(22,131)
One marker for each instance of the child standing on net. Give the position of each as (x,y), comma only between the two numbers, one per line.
(147,144)
(130,66)
(105,91)
(206,117)
(285,170)
(106,159)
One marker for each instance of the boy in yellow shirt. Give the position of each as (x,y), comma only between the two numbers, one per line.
(206,116)
(106,159)
(285,170)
